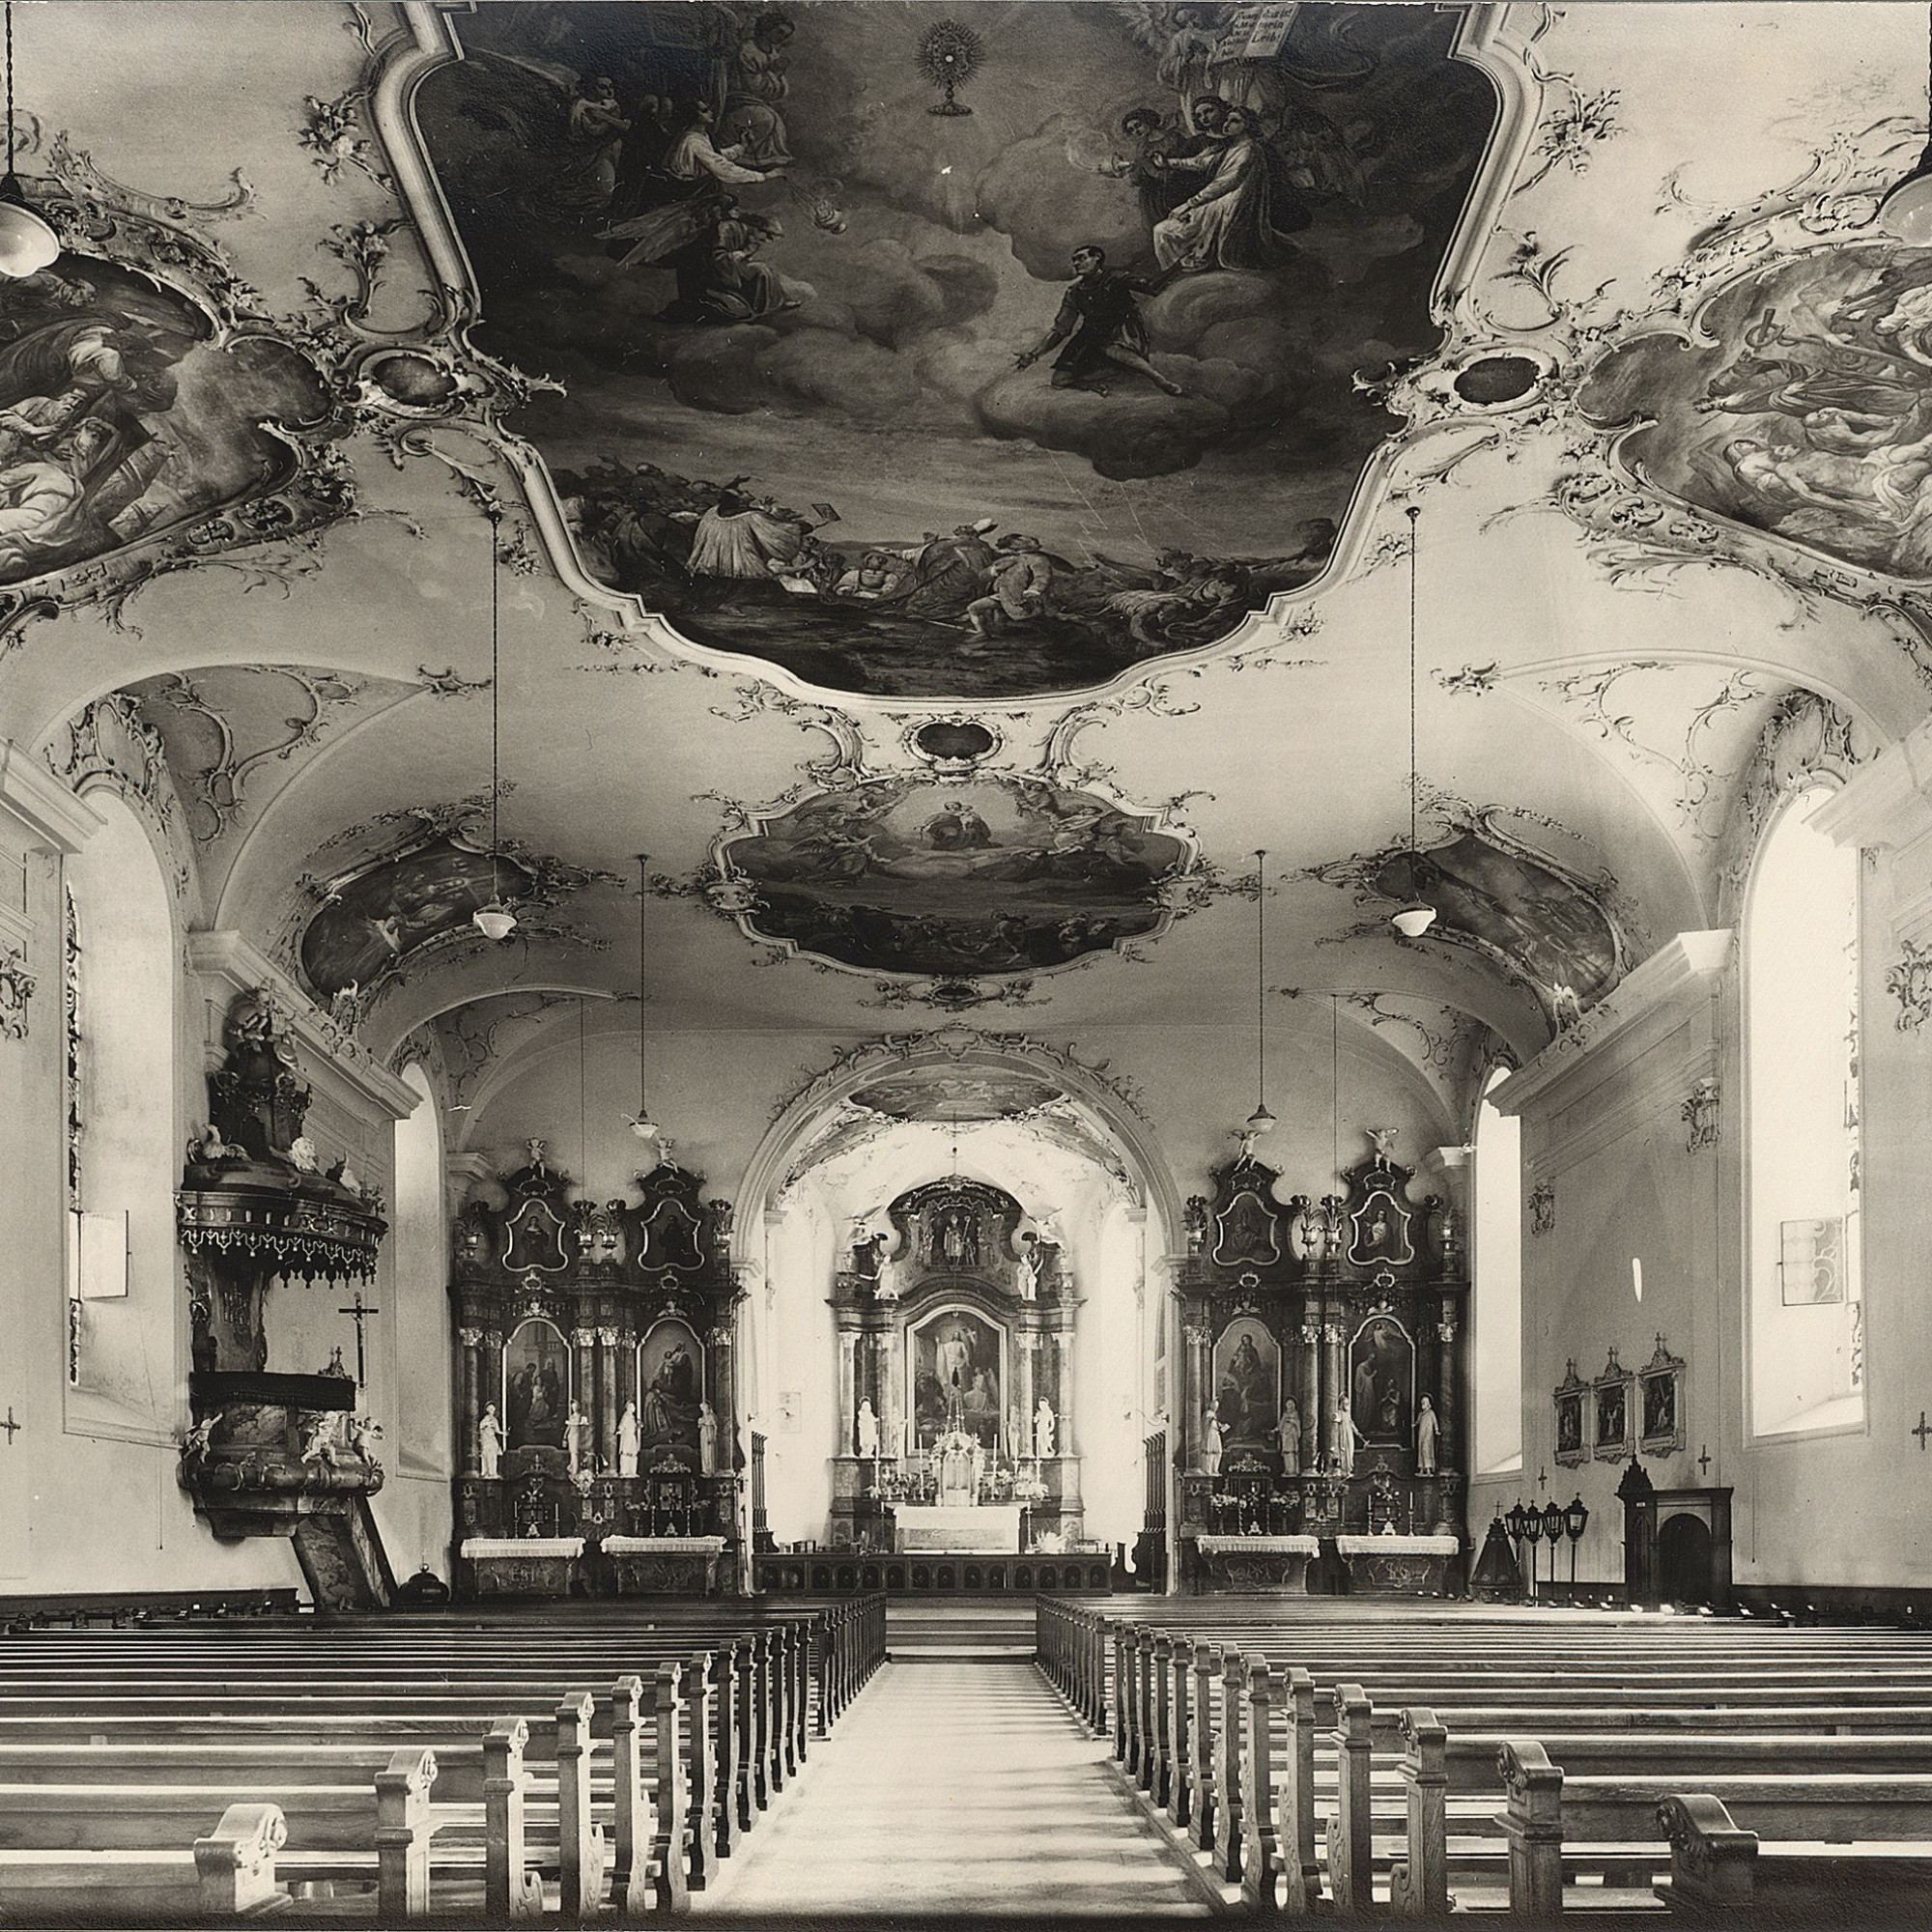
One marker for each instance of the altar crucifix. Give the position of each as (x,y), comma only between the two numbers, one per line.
(362,1313)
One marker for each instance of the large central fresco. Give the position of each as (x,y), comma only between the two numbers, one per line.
(982,351)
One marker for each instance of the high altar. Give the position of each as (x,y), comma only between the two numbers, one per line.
(1318,1413)
(955,1380)
(595,1369)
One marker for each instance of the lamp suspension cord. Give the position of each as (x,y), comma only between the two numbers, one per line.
(643,1112)
(582,1112)
(496,712)
(1334,1084)
(9,85)
(1260,983)
(1414,516)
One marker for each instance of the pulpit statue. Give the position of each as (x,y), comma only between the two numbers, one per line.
(1343,1447)
(630,1437)
(1043,1427)
(489,1444)
(1428,1434)
(708,1439)
(1289,1432)
(576,1426)
(869,1431)
(1211,1442)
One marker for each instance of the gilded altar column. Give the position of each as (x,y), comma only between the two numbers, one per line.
(848,1395)
(472,1342)
(1448,1389)
(1197,1336)
(719,1342)
(1308,1396)
(1336,1380)
(492,1368)
(1023,1444)
(583,1389)
(1063,1361)
(607,1398)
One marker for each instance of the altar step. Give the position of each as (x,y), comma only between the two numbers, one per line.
(955,1632)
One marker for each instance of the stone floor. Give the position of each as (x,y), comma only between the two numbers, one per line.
(953,1789)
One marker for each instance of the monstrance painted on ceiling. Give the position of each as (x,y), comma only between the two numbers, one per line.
(919,387)
(951,881)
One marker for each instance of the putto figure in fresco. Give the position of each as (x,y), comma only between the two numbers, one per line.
(1101,326)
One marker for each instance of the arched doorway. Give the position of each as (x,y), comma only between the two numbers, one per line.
(1684,1560)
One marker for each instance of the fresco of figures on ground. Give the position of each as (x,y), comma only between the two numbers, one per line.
(976,349)
(908,876)
(1801,405)
(118,420)
(370,919)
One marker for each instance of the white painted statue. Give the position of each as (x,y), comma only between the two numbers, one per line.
(489,1444)
(364,1432)
(868,1429)
(1289,1432)
(1213,1440)
(708,1439)
(629,1439)
(1027,1275)
(1044,1429)
(1428,1434)
(576,1426)
(1343,1447)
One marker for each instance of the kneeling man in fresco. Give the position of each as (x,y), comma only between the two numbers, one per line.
(1100,322)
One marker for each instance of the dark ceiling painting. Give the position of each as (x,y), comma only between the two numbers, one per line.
(120,420)
(982,1094)
(370,919)
(908,876)
(978,350)
(1799,405)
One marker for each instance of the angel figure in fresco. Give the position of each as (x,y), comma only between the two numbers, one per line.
(1239,217)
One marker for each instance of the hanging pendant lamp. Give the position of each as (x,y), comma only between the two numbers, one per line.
(1906,211)
(641,1123)
(27,244)
(1415,918)
(1260,1120)
(494,921)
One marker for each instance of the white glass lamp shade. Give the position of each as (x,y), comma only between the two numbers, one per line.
(27,244)
(1413,921)
(494,921)
(1906,211)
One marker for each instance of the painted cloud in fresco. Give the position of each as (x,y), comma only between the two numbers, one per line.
(797,418)
(1801,406)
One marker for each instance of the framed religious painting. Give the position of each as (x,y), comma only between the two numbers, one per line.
(1571,1394)
(1611,1412)
(1381,1381)
(1660,1386)
(1247,1384)
(670,1395)
(536,1385)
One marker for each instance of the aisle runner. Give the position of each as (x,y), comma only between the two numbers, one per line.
(955,1789)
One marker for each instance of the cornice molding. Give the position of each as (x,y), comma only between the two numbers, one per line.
(238,966)
(41,802)
(1886,806)
(1676,984)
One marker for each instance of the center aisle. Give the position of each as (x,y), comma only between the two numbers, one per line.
(953,1789)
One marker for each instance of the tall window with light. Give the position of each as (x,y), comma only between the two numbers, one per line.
(1497,1255)
(1801,964)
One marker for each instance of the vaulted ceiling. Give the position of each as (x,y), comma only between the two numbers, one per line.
(1596,294)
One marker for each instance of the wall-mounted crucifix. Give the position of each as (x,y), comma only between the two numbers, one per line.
(361,1314)
(12,1426)
(1704,1459)
(1923,1430)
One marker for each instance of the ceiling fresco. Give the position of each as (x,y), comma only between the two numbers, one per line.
(979,1095)
(977,351)
(1799,405)
(991,876)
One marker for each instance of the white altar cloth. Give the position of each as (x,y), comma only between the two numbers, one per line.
(664,1545)
(967,1528)
(1398,1545)
(522,1545)
(1257,1546)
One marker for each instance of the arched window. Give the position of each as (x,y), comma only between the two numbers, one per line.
(1801,961)
(124,1139)
(1496,1253)
(420,1250)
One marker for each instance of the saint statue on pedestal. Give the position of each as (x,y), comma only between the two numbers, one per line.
(1044,1429)
(629,1438)
(1211,1442)
(1428,1434)
(576,1432)
(1290,1433)
(868,1430)
(489,1444)
(1343,1447)
(708,1439)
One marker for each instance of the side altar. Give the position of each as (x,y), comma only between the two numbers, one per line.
(956,1375)
(597,1395)
(1318,1415)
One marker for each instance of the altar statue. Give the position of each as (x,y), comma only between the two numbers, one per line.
(708,1439)
(1288,1430)
(576,1426)
(489,1444)
(1027,1275)
(630,1437)
(868,1430)
(1343,1447)
(1428,1434)
(1043,1427)
(1211,1441)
